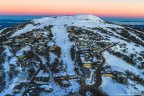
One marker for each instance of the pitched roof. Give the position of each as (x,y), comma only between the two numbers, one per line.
(42,74)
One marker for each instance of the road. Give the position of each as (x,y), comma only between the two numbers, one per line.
(95,88)
(99,69)
(98,73)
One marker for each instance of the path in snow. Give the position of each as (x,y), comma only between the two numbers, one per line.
(8,89)
(6,67)
(62,40)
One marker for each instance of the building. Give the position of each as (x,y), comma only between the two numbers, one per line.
(24,75)
(89,75)
(111,75)
(87,65)
(87,59)
(53,48)
(65,83)
(42,76)
(18,88)
(70,28)
(64,76)
(46,87)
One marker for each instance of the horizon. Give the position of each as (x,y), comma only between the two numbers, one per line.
(20,15)
(10,20)
(45,15)
(101,8)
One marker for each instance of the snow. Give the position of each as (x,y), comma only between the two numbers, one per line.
(118,64)
(62,40)
(46,86)
(6,66)
(24,49)
(42,74)
(75,87)
(90,80)
(112,88)
(13,60)
(50,43)
(61,73)
(10,87)
(24,30)
(88,17)
(77,20)
(52,57)
(7,51)
(116,89)
(24,75)
(43,59)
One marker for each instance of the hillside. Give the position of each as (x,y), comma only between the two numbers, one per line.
(71,56)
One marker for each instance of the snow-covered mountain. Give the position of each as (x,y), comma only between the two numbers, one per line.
(71,56)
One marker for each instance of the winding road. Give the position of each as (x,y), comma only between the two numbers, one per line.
(94,89)
(99,69)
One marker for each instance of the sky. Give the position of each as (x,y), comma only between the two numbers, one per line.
(114,8)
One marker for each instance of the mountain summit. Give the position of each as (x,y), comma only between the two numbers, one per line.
(71,56)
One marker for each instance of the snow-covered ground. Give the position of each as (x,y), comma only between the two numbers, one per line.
(120,65)
(111,87)
(78,20)
(61,39)
(8,89)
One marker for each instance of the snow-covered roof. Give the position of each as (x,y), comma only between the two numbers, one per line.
(48,86)
(62,74)
(42,74)
(65,82)
(50,43)
(24,75)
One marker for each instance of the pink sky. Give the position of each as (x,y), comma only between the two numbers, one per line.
(121,8)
